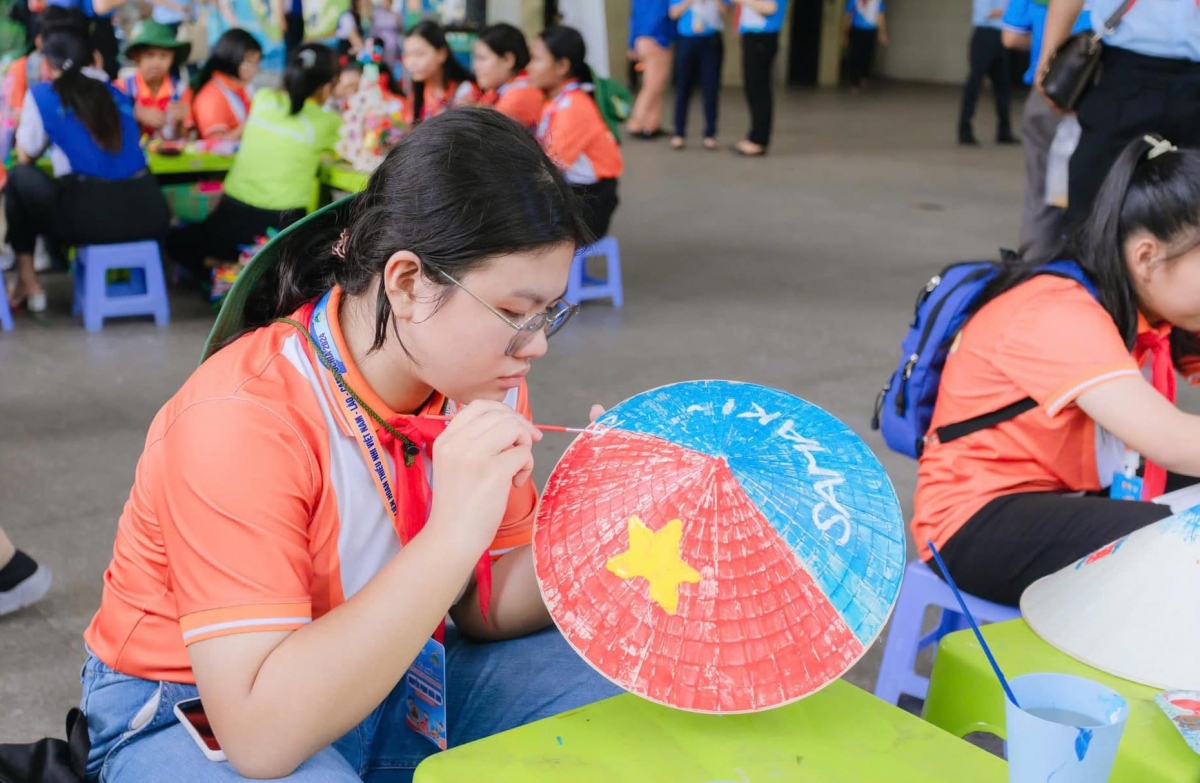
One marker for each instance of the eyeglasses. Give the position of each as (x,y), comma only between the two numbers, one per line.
(549,321)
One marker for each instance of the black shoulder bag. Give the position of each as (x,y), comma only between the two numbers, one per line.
(1075,66)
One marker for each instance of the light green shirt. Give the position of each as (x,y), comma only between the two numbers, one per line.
(276,164)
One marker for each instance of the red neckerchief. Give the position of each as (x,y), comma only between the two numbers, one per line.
(414,503)
(413,508)
(1156,343)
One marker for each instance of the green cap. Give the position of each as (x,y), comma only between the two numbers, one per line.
(232,317)
(151,34)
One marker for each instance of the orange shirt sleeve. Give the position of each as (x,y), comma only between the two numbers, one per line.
(523,104)
(1057,342)
(233,493)
(517,527)
(569,133)
(16,84)
(210,112)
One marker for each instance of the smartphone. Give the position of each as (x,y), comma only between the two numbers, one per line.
(191,714)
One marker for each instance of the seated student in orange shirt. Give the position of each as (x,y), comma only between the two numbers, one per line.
(571,129)
(284,556)
(439,80)
(1031,495)
(221,103)
(159,103)
(500,56)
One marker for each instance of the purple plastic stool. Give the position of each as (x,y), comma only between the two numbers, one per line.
(144,294)
(6,319)
(580,287)
(923,588)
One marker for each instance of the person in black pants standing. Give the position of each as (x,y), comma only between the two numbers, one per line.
(289,15)
(761,21)
(1150,83)
(699,52)
(989,58)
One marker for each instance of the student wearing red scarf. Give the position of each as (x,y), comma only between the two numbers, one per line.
(1029,496)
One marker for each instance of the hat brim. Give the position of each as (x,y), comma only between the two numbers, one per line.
(182,49)
(232,317)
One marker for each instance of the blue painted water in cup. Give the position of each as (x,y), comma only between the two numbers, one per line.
(1066,730)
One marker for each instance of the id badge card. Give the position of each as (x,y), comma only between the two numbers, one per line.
(425,693)
(1125,487)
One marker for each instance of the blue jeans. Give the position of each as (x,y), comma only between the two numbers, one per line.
(490,688)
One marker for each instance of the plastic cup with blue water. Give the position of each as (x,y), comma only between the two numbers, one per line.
(1066,730)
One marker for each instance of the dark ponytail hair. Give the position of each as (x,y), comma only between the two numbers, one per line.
(566,43)
(459,190)
(452,69)
(68,49)
(1160,196)
(504,39)
(227,56)
(310,68)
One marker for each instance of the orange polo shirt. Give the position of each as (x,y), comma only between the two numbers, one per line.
(137,89)
(1047,339)
(575,135)
(253,507)
(222,105)
(517,99)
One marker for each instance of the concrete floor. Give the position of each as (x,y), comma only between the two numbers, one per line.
(797,271)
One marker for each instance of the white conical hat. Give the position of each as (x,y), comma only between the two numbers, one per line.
(1131,608)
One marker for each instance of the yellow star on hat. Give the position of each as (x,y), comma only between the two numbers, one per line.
(654,555)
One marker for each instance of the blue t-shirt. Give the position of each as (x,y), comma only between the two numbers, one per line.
(866,13)
(165,15)
(981,12)
(703,17)
(1029,17)
(1157,28)
(754,22)
(84,6)
(650,19)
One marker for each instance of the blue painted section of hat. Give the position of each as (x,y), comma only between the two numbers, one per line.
(813,478)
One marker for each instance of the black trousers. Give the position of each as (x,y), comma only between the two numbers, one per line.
(294,37)
(599,203)
(221,236)
(989,58)
(860,54)
(758,61)
(1015,540)
(1135,95)
(698,59)
(81,211)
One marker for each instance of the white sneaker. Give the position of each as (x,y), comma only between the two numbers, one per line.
(27,592)
(36,303)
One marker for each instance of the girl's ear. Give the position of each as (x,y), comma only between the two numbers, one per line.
(1142,252)
(562,67)
(401,279)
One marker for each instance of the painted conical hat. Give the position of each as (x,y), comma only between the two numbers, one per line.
(719,547)
(1130,608)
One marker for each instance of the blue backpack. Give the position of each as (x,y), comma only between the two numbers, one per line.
(904,408)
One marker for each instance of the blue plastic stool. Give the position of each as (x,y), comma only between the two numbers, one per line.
(6,320)
(145,293)
(581,287)
(923,588)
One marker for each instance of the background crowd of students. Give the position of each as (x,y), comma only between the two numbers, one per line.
(284,133)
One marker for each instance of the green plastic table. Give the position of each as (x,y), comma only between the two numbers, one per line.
(965,696)
(839,735)
(188,163)
(340,176)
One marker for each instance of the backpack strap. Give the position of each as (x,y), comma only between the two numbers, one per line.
(986,421)
(1068,270)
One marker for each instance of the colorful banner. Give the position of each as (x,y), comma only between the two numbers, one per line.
(255,16)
